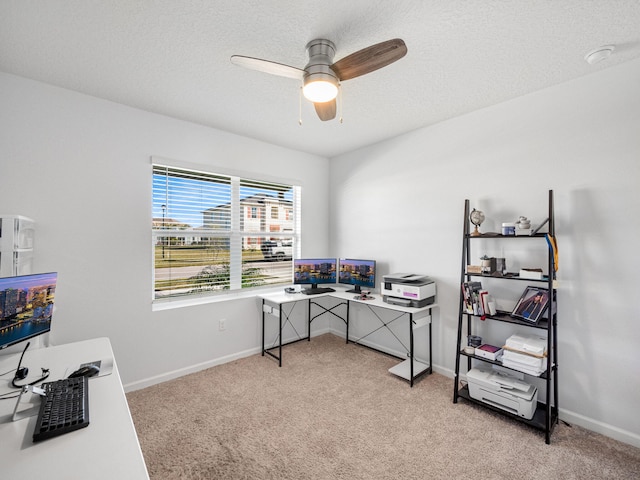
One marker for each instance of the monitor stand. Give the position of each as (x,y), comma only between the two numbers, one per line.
(356,289)
(316,290)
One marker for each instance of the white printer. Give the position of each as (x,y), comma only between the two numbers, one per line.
(503,391)
(408,289)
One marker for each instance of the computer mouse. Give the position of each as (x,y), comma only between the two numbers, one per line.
(86,371)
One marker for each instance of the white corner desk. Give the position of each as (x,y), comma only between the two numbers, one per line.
(107,448)
(409,369)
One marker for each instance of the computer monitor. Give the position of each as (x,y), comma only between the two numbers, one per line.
(359,273)
(26,307)
(314,271)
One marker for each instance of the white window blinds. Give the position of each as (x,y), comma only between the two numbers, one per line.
(214,233)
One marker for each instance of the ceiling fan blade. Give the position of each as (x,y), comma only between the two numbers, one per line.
(326,110)
(268,66)
(370,59)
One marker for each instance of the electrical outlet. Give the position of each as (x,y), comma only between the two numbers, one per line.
(222,324)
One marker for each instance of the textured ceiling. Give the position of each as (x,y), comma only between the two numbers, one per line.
(172,57)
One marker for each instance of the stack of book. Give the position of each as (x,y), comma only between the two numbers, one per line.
(526,353)
(476,300)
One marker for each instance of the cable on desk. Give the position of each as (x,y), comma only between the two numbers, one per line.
(8,395)
(45,375)
(3,396)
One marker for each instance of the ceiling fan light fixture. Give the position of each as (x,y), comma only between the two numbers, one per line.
(320,87)
(322,77)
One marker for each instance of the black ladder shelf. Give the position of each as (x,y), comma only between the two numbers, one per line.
(546,413)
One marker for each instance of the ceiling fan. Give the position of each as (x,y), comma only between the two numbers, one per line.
(321,76)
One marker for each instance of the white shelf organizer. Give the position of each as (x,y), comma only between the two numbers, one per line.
(16,245)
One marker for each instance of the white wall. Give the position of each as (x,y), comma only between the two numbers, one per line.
(401,202)
(80,167)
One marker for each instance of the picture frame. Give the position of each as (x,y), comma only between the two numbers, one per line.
(532,304)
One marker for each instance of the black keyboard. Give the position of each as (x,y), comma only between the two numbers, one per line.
(65,408)
(317,290)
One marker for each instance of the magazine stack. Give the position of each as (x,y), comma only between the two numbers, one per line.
(526,353)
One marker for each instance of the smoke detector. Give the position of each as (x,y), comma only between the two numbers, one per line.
(599,54)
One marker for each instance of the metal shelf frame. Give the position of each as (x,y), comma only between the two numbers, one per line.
(546,414)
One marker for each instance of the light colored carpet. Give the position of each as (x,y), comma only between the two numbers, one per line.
(332,411)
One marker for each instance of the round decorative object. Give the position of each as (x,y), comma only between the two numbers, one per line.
(476,217)
(523,222)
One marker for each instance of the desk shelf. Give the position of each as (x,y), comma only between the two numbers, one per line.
(403,369)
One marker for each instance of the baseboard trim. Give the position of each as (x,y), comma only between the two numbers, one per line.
(605,429)
(165,377)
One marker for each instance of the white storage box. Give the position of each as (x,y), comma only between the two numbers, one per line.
(16,232)
(503,392)
(531,344)
(523,362)
(528,360)
(489,352)
(16,262)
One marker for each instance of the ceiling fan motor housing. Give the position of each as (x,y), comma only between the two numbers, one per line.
(321,53)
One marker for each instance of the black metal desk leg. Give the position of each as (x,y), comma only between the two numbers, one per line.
(309,320)
(347,322)
(263,327)
(280,336)
(411,349)
(430,349)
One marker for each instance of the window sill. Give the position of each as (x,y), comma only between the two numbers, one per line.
(170,304)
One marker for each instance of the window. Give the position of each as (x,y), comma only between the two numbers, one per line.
(211,233)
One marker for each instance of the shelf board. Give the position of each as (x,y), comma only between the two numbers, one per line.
(543,375)
(403,369)
(499,235)
(539,416)
(511,276)
(501,316)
